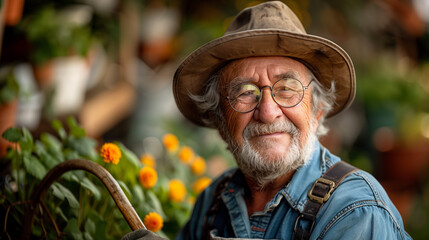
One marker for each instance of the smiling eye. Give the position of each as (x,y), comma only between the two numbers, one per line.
(288,92)
(245,92)
(284,93)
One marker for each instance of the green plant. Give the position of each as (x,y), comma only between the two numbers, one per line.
(78,202)
(51,36)
(9,87)
(394,97)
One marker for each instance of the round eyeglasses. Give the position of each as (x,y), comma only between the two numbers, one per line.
(286,92)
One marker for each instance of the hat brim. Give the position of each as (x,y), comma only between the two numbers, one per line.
(327,60)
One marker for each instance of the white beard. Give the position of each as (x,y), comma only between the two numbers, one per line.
(265,169)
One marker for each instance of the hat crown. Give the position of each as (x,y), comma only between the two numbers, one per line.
(269,15)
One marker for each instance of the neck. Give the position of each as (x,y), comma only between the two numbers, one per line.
(257,197)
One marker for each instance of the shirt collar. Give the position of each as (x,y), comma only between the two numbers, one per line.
(296,191)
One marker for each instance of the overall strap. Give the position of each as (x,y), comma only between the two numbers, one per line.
(319,193)
(216,207)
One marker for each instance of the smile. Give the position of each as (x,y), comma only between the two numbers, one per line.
(271,135)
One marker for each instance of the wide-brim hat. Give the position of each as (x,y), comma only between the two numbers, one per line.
(267,29)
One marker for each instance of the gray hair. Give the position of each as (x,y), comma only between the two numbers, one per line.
(323,100)
(209,102)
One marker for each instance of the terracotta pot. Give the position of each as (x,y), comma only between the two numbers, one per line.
(156,53)
(13,13)
(402,171)
(7,119)
(406,164)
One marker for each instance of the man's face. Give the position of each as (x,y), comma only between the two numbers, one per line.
(280,130)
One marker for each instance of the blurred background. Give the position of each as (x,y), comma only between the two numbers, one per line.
(110,64)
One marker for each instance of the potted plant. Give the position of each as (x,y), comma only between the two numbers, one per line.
(396,105)
(60,41)
(52,35)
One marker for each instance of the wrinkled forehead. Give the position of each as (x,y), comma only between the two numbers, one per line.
(276,67)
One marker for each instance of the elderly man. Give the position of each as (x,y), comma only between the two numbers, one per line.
(267,86)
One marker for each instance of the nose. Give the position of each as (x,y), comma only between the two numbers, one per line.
(267,110)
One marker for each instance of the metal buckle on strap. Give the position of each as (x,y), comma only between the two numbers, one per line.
(299,232)
(325,198)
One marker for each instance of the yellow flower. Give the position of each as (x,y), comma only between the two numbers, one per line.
(153,222)
(148,160)
(110,153)
(170,141)
(148,177)
(176,190)
(186,154)
(201,184)
(198,166)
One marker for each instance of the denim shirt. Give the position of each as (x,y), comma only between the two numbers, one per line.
(358,209)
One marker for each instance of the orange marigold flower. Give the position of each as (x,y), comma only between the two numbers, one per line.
(148,177)
(176,190)
(148,160)
(110,153)
(198,166)
(153,222)
(201,184)
(170,141)
(186,154)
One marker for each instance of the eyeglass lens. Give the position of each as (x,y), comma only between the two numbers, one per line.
(245,97)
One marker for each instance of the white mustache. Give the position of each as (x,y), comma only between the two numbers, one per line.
(256,129)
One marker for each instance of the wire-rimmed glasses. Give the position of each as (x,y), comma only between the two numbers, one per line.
(286,92)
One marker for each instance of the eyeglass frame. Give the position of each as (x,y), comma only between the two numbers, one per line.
(271,90)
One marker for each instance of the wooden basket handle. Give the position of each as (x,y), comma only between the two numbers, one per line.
(80,164)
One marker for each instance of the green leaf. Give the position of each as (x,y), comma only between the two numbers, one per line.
(40,148)
(88,184)
(100,226)
(75,129)
(68,195)
(49,161)
(129,155)
(154,202)
(90,226)
(138,194)
(87,236)
(72,229)
(34,167)
(12,134)
(10,90)
(53,146)
(68,175)
(51,142)
(60,212)
(58,126)
(12,154)
(83,146)
(57,192)
(26,142)
(71,154)
(46,159)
